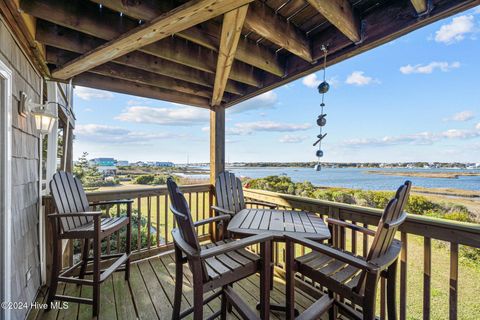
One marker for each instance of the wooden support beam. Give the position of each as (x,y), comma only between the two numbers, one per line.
(217,142)
(419,5)
(59,57)
(231,31)
(70,40)
(96,81)
(340,14)
(206,35)
(263,21)
(85,17)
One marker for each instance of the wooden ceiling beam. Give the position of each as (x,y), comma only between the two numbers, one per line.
(96,81)
(231,31)
(340,14)
(419,5)
(262,20)
(59,57)
(70,40)
(206,35)
(110,26)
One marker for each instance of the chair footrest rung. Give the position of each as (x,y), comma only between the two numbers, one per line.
(88,282)
(242,308)
(73,299)
(105,274)
(317,309)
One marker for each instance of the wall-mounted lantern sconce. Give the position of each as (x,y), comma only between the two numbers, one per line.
(44,118)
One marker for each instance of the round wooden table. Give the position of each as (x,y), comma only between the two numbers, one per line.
(279,223)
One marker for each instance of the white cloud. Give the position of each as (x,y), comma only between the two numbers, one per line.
(421,138)
(292,139)
(178,116)
(265,100)
(98,133)
(90,94)
(461,116)
(359,79)
(311,81)
(429,68)
(244,128)
(456,30)
(88,109)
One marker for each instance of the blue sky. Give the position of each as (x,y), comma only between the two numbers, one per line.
(414,99)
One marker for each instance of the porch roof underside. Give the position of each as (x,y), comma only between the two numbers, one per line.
(208,53)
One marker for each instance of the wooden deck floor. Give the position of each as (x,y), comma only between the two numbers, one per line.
(149,295)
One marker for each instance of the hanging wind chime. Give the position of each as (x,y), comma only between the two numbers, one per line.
(322,120)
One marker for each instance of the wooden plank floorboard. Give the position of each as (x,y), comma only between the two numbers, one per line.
(150,294)
(123,297)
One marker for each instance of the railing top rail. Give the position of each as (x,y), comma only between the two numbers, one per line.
(441,229)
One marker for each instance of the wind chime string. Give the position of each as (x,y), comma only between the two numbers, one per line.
(321,121)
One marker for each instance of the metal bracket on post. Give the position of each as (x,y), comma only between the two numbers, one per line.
(363,27)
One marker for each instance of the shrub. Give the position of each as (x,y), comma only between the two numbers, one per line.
(144,179)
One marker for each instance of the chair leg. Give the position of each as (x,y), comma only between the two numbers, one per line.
(370,297)
(128,245)
(391,291)
(223,314)
(96,275)
(178,284)
(290,281)
(229,305)
(86,248)
(332,312)
(57,249)
(265,278)
(197,293)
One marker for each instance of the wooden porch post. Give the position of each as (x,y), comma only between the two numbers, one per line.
(217,154)
(217,142)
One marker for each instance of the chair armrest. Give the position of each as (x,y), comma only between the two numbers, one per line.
(384,261)
(101,203)
(351,226)
(235,245)
(76,214)
(189,251)
(334,253)
(222,217)
(222,210)
(261,203)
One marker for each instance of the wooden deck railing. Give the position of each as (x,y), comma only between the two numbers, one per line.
(452,232)
(151,206)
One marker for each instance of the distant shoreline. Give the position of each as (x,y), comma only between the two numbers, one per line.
(438,175)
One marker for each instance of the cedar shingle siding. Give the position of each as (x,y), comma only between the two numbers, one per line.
(25,193)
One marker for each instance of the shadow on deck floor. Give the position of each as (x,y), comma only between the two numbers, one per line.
(149,295)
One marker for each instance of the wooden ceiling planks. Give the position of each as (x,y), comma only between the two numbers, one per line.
(279,43)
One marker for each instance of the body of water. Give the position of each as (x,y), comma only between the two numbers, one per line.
(358,178)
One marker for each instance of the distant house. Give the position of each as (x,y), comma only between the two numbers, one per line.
(107,166)
(164,164)
(122,163)
(139,164)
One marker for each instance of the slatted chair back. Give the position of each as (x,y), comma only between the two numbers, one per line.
(229,192)
(391,219)
(69,197)
(183,217)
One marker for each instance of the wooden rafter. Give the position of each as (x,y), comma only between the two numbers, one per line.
(69,40)
(59,57)
(340,14)
(231,30)
(207,35)
(96,81)
(176,20)
(419,5)
(263,21)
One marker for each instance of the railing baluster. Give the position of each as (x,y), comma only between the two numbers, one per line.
(166,218)
(403,277)
(139,222)
(158,221)
(365,242)
(197,209)
(354,240)
(149,220)
(109,237)
(203,210)
(453,280)
(118,232)
(427,271)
